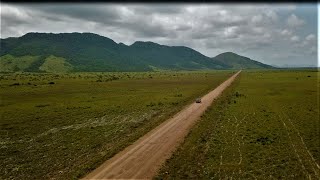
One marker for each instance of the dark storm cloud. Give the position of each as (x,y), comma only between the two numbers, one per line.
(183,28)
(159,9)
(146,30)
(133,19)
(93,13)
(9,21)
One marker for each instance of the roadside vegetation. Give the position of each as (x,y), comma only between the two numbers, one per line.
(265,126)
(62,126)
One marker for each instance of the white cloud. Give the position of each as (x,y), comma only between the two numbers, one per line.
(231,32)
(309,42)
(311,37)
(257,19)
(295,38)
(272,15)
(286,32)
(294,21)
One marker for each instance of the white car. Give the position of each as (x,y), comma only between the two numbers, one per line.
(198,100)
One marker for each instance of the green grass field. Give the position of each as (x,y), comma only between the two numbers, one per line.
(266,126)
(62,126)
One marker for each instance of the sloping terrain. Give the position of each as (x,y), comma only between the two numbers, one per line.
(9,63)
(235,61)
(55,65)
(92,52)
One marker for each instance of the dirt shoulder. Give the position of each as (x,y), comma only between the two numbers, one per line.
(142,159)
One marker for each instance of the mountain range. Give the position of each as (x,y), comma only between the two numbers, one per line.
(72,52)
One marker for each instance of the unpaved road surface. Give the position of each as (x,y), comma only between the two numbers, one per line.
(143,158)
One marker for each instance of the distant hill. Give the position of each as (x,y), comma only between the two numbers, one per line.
(66,52)
(235,61)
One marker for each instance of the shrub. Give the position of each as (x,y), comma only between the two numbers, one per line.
(151,104)
(15,84)
(42,105)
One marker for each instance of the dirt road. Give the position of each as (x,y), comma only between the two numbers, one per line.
(142,159)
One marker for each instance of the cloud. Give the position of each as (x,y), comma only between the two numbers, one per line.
(14,16)
(294,21)
(231,32)
(272,15)
(311,37)
(295,38)
(183,27)
(286,32)
(313,50)
(159,9)
(255,30)
(257,19)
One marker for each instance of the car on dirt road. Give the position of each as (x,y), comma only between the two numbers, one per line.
(198,100)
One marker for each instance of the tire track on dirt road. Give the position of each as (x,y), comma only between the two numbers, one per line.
(143,158)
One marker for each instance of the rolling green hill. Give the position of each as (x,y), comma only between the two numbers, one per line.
(55,65)
(67,52)
(9,63)
(235,61)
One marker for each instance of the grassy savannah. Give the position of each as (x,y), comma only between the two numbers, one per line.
(62,126)
(265,126)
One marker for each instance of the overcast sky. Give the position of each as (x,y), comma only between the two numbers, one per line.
(276,34)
